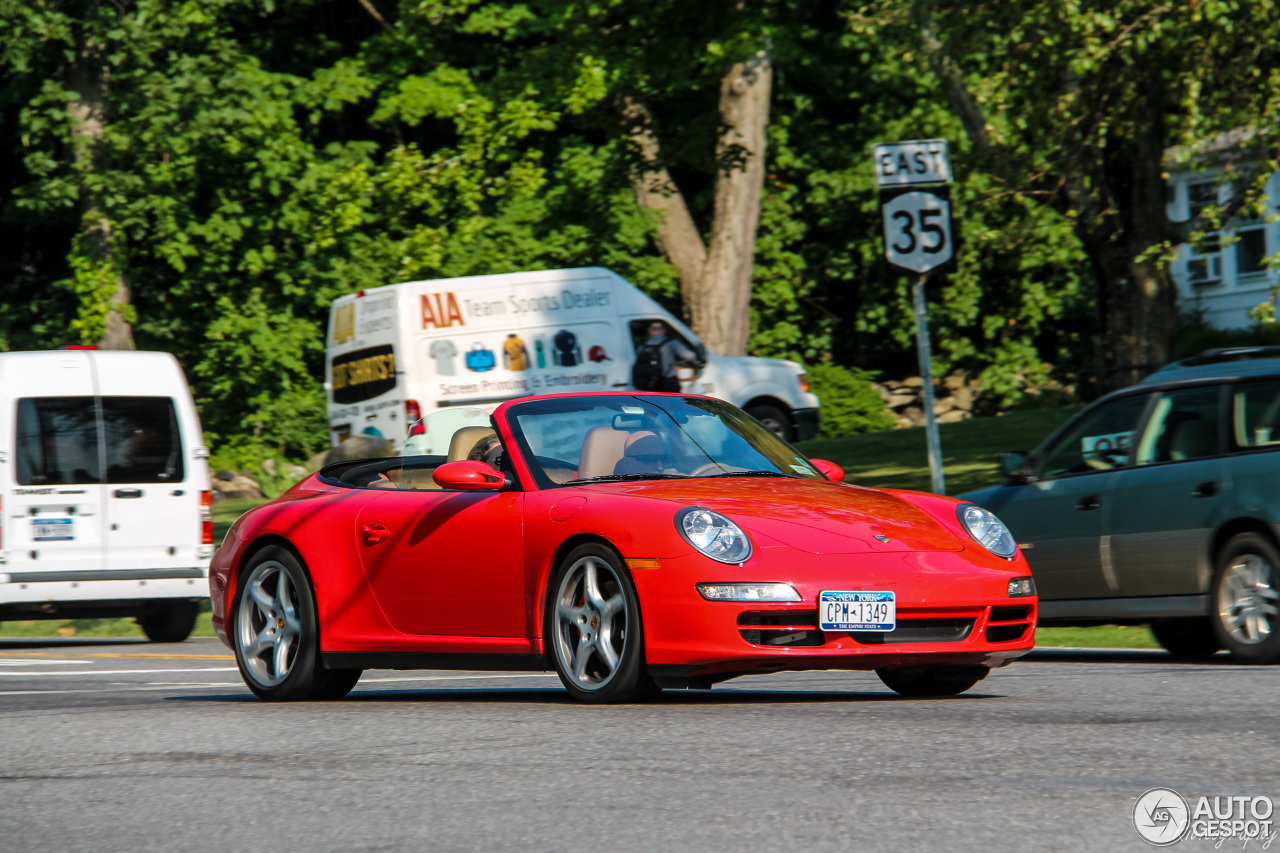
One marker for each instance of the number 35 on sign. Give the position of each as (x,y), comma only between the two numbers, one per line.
(918,229)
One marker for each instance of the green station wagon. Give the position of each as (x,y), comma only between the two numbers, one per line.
(1160,504)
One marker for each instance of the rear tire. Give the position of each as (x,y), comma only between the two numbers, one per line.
(171,622)
(918,681)
(593,629)
(1244,601)
(774,419)
(1186,638)
(275,633)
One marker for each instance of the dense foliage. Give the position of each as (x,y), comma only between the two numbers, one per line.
(256,159)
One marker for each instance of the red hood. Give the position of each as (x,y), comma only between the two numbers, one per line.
(811,515)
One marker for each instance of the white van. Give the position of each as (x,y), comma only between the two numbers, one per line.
(399,352)
(104,490)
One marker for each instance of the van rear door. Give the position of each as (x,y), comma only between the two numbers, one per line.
(54,523)
(152,499)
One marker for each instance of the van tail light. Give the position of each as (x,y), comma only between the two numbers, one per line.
(206,518)
(804,382)
(413,414)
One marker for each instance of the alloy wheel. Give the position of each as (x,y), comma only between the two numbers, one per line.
(268,627)
(591,623)
(1247,600)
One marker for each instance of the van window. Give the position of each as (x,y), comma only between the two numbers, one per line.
(1183,425)
(1255,411)
(142,440)
(1098,441)
(57,441)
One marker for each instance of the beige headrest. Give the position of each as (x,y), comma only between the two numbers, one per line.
(465,439)
(601,450)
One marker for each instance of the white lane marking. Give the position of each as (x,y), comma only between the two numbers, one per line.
(118,672)
(29,662)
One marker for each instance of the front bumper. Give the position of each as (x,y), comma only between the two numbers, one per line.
(805,422)
(952,609)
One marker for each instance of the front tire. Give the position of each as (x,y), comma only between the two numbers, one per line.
(1244,599)
(1186,638)
(594,629)
(171,622)
(774,419)
(920,681)
(276,633)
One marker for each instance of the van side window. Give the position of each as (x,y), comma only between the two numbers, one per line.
(57,441)
(1255,415)
(142,440)
(1098,441)
(1183,425)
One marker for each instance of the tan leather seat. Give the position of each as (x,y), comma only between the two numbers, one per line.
(601,450)
(464,440)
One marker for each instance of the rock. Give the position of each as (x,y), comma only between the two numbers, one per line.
(913,382)
(962,398)
(898,400)
(361,447)
(902,423)
(892,384)
(945,404)
(295,472)
(269,467)
(953,416)
(237,486)
(882,391)
(954,381)
(914,414)
(225,475)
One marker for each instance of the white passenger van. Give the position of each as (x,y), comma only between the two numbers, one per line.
(399,352)
(104,490)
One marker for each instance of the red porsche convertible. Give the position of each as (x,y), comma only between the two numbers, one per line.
(630,541)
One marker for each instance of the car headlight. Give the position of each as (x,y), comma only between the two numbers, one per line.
(748,592)
(987,530)
(713,534)
(1022,587)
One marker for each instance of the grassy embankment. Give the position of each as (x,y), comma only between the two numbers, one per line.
(896,458)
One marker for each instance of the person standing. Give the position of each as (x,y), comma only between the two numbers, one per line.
(657,359)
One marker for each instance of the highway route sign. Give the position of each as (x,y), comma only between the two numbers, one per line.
(918,229)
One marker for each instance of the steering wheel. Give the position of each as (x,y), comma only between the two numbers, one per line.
(715,468)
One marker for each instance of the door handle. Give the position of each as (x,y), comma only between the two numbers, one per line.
(127,493)
(372,532)
(1205,490)
(1089,502)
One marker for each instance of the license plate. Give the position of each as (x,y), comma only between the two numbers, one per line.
(52,529)
(856,611)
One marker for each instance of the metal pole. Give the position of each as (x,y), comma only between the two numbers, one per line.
(926,374)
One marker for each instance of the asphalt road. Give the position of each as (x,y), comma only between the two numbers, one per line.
(114,746)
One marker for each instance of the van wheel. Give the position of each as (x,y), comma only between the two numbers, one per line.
(171,622)
(773,418)
(1244,599)
(1187,638)
(275,633)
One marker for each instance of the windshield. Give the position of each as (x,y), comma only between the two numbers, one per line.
(608,438)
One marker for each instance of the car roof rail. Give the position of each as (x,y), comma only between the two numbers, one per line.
(1222,354)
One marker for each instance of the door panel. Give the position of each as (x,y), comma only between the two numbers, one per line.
(1162,510)
(447,563)
(53,515)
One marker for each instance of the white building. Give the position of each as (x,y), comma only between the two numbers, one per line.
(1227,277)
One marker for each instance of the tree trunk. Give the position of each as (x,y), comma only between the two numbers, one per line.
(715,282)
(90,78)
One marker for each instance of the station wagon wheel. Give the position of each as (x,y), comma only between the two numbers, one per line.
(1245,600)
(594,629)
(275,633)
(923,681)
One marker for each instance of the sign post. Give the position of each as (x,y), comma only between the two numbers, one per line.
(915,206)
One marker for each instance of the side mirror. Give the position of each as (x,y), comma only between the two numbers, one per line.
(468,475)
(1012,462)
(830,470)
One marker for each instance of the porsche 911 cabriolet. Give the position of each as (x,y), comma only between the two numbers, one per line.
(628,541)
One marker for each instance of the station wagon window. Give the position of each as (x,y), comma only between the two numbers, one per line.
(1255,415)
(57,441)
(1183,425)
(1099,441)
(143,444)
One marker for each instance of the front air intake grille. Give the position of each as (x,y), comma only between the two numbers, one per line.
(918,631)
(1010,614)
(1005,633)
(780,628)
